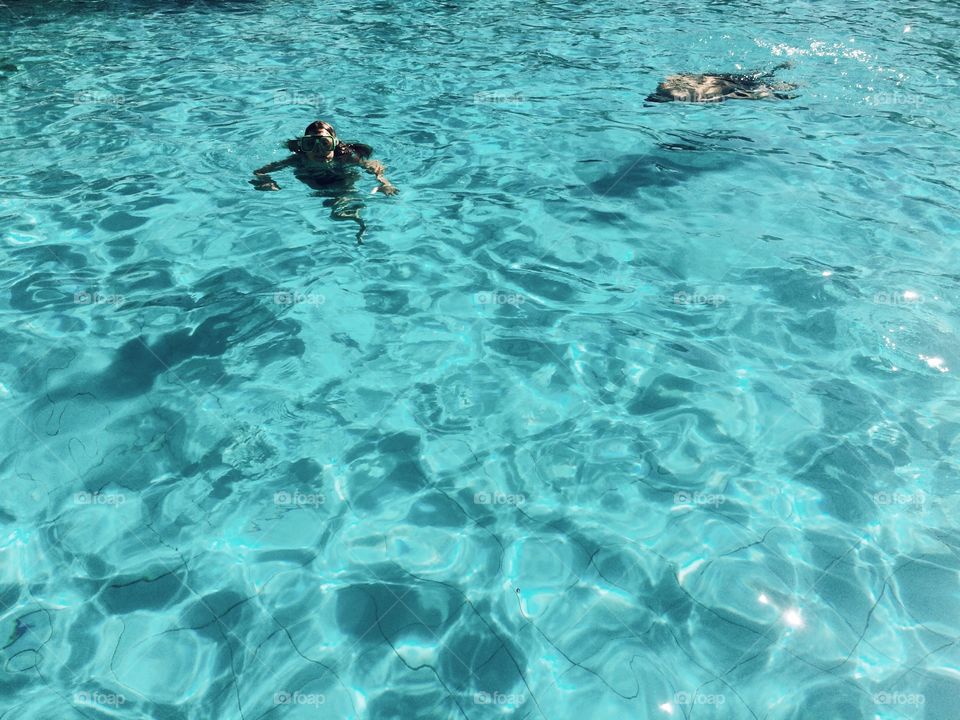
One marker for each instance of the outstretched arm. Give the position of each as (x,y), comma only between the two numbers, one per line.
(376,168)
(261,177)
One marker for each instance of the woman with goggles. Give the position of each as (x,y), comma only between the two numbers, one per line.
(320,159)
(322,162)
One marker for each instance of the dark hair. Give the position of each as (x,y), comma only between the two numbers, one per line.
(316,126)
(361,150)
(313,128)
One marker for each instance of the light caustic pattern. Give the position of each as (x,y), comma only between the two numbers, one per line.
(621,410)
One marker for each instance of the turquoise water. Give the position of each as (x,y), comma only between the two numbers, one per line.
(619,411)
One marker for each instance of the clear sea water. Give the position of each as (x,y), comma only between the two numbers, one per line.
(619,411)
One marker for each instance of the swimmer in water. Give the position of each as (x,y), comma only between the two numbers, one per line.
(717,87)
(328,165)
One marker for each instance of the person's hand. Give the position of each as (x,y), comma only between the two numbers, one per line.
(266,185)
(388,189)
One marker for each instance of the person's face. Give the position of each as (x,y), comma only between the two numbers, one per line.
(318,146)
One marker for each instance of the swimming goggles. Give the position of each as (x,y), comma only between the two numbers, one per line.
(322,143)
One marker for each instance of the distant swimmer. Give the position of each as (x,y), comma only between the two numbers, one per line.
(717,87)
(328,165)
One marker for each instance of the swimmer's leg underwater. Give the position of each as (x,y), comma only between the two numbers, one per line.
(752,85)
(345,207)
(343,200)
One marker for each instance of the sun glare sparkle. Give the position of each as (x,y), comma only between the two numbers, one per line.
(793,618)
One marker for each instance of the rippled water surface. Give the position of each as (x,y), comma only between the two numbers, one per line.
(620,410)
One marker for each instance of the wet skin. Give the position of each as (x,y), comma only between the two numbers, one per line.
(332,174)
(707,88)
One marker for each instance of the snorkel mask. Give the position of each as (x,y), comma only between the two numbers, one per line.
(319,143)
